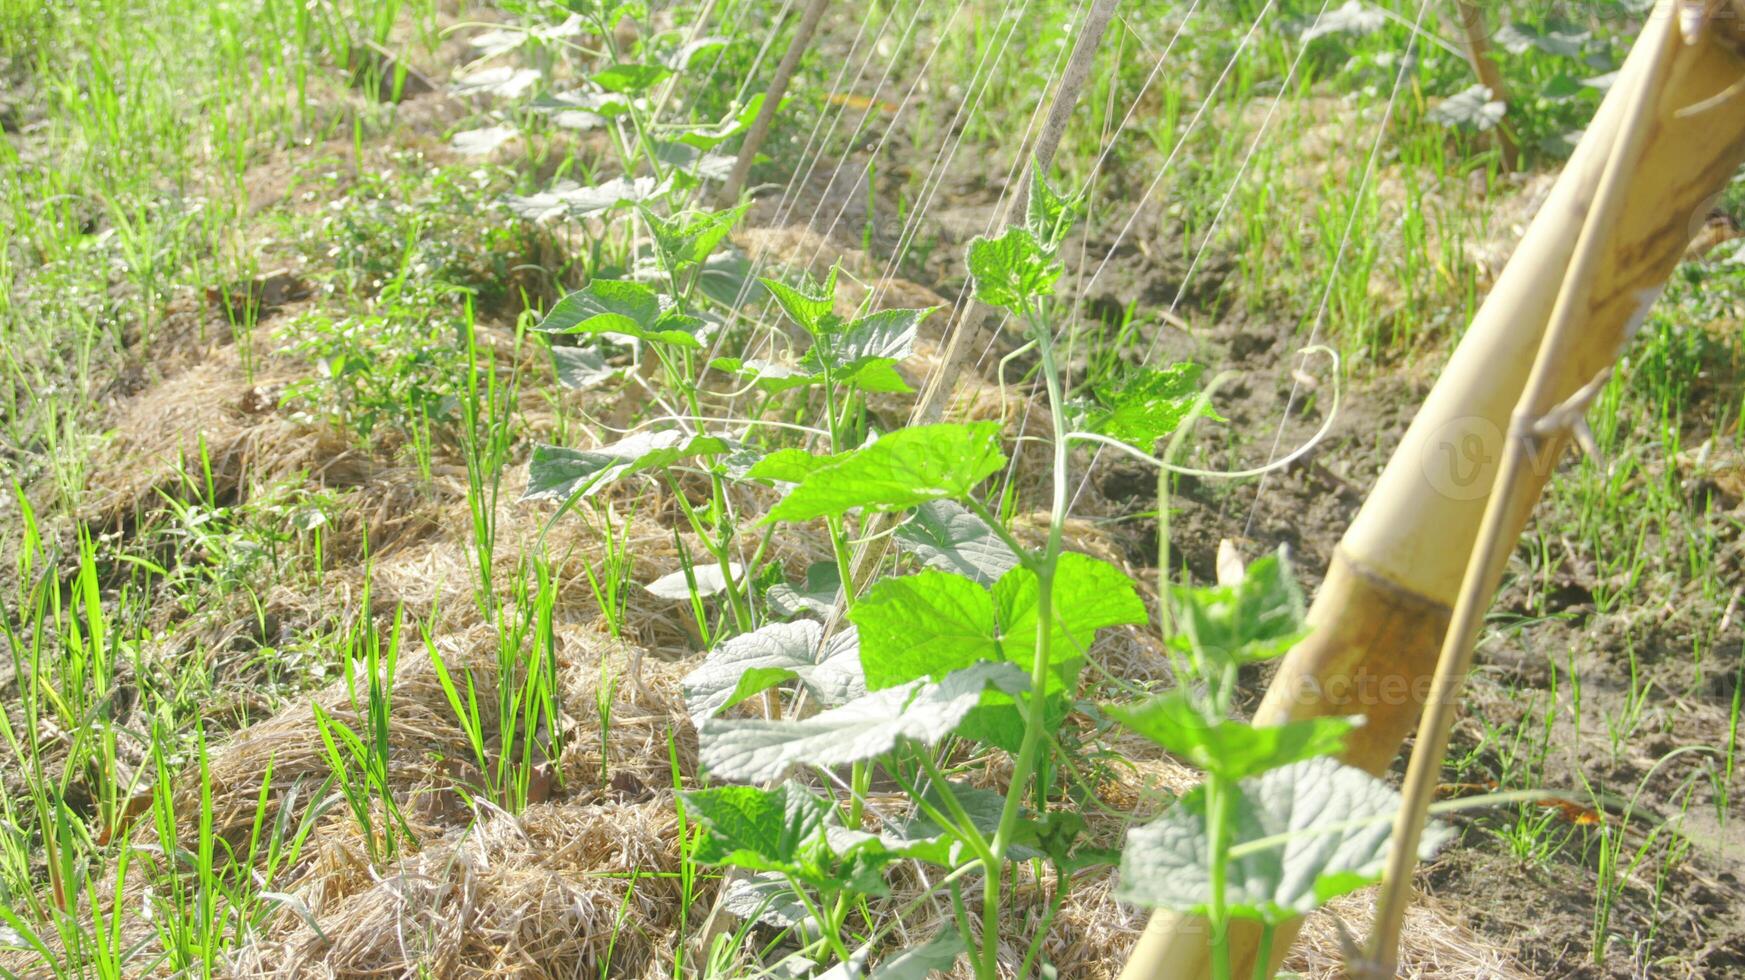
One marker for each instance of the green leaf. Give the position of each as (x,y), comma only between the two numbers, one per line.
(708,580)
(983,807)
(1232,749)
(739,122)
(1011,270)
(556,473)
(936,956)
(582,368)
(1049,214)
(1089,595)
(630,309)
(1475,109)
(927,625)
(947,536)
(904,469)
(751,663)
(1256,619)
(1519,38)
(755,750)
(689,239)
(790,465)
(785,830)
(817,594)
(924,626)
(1150,405)
(810,305)
(630,79)
(1302,836)
(865,352)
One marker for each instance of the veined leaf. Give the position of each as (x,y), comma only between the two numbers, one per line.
(947,536)
(566,197)
(754,750)
(1011,270)
(927,625)
(809,304)
(1475,109)
(751,663)
(1149,406)
(689,239)
(556,473)
(1049,214)
(1256,619)
(1233,749)
(1519,38)
(629,309)
(817,594)
(901,470)
(768,898)
(790,465)
(582,368)
(1302,836)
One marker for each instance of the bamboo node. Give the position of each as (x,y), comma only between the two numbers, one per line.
(1569,416)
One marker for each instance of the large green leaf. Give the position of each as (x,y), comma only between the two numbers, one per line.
(755,750)
(947,536)
(762,829)
(557,473)
(630,309)
(1256,619)
(1233,749)
(1302,835)
(1011,270)
(901,470)
(924,626)
(751,663)
(932,623)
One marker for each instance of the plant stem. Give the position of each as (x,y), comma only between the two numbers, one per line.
(1036,708)
(1218,794)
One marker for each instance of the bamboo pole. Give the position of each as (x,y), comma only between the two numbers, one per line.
(772,102)
(1536,421)
(1386,602)
(1489,75)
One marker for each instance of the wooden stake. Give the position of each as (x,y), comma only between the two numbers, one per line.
(1489,75)
(1537,422)
(772,102)
(1388,597)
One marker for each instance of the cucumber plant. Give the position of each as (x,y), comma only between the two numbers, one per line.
(981,651)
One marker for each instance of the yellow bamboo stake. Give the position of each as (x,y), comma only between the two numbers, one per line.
(1537,421)
(1386,602)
